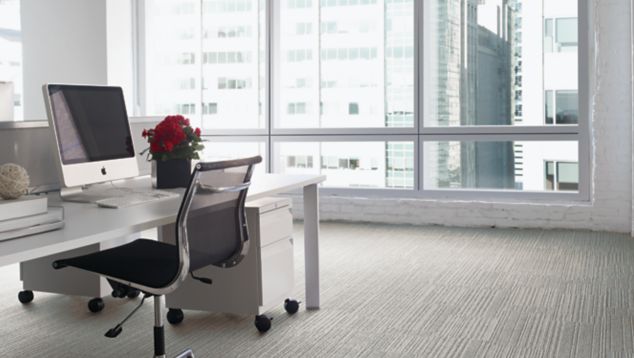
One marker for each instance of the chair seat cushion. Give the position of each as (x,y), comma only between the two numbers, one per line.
(147,262)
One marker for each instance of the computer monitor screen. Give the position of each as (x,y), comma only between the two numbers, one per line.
(91,133)
(91,123)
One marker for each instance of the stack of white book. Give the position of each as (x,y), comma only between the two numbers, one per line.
(28,215)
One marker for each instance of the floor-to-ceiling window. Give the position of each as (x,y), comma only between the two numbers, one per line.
(11,57)
(393,97)
(501,94)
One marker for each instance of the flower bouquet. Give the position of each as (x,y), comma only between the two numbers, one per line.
(173,144)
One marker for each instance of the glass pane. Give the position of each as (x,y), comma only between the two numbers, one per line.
(567,107)
(298,76)
(568,176)
(349,64)
(490,62)
(567,34)
(350,164)
(568,172)
(233,64)
(10,60)
(172,59)
(215,151)
(519,165)
(215,76)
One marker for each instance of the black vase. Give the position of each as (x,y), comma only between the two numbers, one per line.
(173,173)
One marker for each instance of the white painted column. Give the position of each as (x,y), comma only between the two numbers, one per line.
(311,245)
(632,136)
(63,41)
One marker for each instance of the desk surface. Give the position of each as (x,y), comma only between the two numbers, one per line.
(87,224)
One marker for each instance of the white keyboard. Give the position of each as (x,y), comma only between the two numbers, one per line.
(135,199)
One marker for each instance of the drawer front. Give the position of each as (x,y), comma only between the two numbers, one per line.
(277,272)
(275,225)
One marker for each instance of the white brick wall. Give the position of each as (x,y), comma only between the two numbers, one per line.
(610,208)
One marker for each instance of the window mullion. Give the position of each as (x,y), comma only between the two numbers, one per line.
(270,42)
(200,61)
(419,100)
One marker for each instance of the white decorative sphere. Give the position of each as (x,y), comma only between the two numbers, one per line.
(14,181)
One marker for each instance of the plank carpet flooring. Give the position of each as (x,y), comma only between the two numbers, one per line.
(387,291)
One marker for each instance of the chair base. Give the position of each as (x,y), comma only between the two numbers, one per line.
(159,332)
(186,354)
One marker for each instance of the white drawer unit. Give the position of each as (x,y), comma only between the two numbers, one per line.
(275,265)
(264,278)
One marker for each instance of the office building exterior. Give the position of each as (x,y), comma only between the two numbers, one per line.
(486,73)
(343,64)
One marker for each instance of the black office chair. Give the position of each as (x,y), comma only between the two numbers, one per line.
(211,229)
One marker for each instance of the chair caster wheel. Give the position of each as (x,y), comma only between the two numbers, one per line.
(133,293)
(291,306)
(25,296)
(96,305)
(175,316)
(262,323)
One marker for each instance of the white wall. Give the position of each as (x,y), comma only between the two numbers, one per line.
(610,207)
(63,41)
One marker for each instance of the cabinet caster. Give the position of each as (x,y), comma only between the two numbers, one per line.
(96,305)
(133,293)
(175,316)
(25,296)
(262,323)
(291,306)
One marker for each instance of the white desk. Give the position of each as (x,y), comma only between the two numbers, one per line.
(87,224)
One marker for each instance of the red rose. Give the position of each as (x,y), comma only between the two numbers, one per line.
(155,148)
(197,132)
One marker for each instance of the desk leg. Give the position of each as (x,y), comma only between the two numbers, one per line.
(311,245)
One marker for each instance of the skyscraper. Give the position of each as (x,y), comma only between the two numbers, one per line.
(472,86)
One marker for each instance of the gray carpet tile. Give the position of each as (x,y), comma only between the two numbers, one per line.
(387,291)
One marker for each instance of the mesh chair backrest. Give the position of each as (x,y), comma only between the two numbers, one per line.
(211,224)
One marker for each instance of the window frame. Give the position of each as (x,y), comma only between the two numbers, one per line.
(419,133)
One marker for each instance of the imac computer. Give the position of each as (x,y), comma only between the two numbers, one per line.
(93,142)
